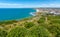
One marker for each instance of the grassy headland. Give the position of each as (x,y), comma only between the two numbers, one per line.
(36,26)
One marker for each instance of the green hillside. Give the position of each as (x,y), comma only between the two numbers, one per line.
(36,26)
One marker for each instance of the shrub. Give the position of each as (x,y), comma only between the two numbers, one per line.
(55,21)
(39,31)
(53,17)
(29,24)
(55,30)
(3,33)
(41,20)
(17,32)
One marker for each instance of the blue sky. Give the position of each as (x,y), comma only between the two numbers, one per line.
(29,3)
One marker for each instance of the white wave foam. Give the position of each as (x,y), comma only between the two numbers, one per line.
(32,13)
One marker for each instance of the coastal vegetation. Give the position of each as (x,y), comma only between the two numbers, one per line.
(36,26)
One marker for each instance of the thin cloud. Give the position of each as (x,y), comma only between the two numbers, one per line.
(15,5)
(9,5)
(50,5)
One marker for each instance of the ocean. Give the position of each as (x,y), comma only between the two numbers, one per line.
(15,13)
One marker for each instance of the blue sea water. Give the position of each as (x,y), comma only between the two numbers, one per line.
(15,13)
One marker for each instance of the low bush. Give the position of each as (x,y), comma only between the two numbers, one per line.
(17,32)
(40,31)
(41,20)
(3,33)
(29,24)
